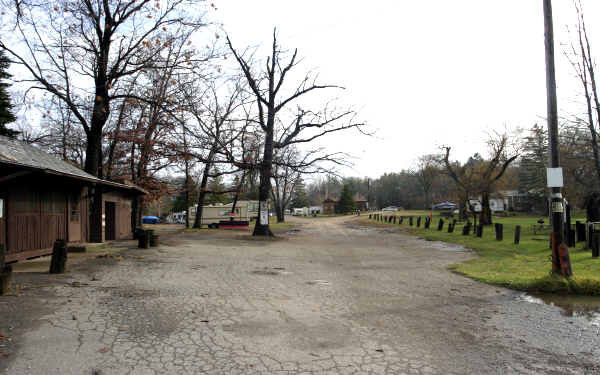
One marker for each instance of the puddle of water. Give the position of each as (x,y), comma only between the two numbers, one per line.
(318,282)
(572,306)
(265,272)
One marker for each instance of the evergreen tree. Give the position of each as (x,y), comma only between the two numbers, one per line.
(6,115)
(346,202)
(532,174)
(299,198)
(215,185)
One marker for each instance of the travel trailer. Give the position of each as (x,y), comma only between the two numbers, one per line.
(213,214)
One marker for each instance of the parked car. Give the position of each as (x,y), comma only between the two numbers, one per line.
(390,208)
(150,220)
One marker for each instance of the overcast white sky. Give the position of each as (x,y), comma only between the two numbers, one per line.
(422,73)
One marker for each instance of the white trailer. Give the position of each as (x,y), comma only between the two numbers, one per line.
(214,213)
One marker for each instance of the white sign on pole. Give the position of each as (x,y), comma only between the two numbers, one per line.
(264,213)
(554,177)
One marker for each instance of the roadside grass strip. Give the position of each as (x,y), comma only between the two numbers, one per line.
(525,266)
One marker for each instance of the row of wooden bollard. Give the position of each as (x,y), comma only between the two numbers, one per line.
(466,230)
(586,232)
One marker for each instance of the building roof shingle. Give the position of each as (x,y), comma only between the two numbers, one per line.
(18,153)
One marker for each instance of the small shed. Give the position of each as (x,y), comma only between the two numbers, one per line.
(43,198)
(360,202)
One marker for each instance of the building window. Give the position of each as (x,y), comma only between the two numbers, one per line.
(74,207)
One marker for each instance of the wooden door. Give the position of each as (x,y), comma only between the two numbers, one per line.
(53,217)
(110,222)
(23,220)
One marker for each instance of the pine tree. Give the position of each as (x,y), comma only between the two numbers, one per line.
(532,174)
(6,115)
(346,202)
(299,198)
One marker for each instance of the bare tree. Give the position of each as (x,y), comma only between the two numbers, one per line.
(428,170)
(83,52)
(214,128)
(584,67)
(479,176)
(306,126)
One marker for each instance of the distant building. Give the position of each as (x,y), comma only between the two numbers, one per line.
(360,202)
(329,204)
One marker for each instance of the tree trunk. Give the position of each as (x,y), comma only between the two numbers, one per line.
(486,211)
(93,160)
(463,204)
(264,190)
(280,213)
(201,196)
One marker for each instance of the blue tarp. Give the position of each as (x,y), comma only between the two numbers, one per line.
(150,220)
(445,206)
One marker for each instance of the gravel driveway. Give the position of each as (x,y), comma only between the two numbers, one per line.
(331,297)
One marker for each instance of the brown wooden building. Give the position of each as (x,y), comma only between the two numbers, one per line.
(329,205)
(43,199)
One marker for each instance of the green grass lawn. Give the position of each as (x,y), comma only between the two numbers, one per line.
(525,266)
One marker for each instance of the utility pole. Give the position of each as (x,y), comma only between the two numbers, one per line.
(560,253)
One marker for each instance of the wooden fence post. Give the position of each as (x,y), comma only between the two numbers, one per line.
(596,245)
(580,228)
(59,257)
(517,234)
(419,222)
(427,222)
(499,232)
(441,224)
(410,221)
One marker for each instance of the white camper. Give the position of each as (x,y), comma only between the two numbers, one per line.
(214,213)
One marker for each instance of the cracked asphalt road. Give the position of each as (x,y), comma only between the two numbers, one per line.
(330,298)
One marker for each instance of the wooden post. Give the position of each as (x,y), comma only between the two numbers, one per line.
(596,245)
(580,227)
(499,231)
(419,222)
(450,227)
(427,222)
(59,257)
(480,231)
(153,239)
(410,221)
(5,273)
(441,224)
(590,234)
(466,229)
(517,234)
(144,240)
